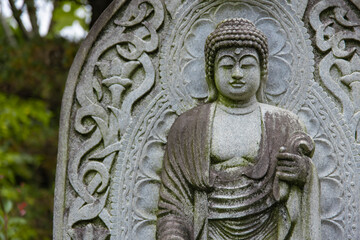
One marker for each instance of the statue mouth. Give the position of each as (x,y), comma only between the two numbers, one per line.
(237,84)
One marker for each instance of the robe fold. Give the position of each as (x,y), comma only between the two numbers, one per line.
(186,180)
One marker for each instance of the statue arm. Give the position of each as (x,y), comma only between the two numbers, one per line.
(303,209)
(185,173)
(175,212)
(175,208)
(298,173)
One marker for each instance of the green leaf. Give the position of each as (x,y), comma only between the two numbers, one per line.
(16,221)
(9,192)
(8,205)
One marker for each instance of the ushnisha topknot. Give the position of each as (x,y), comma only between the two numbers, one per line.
(235,32)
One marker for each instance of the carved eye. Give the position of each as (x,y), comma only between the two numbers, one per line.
(226,62)
(248,62)
(247,66)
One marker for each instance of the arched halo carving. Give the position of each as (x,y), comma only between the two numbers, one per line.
(291,62)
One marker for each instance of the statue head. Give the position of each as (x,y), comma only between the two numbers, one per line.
(236,34)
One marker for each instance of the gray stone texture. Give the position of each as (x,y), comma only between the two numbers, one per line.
(236,168)
(142,65)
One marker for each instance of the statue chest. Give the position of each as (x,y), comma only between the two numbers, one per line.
(235,139)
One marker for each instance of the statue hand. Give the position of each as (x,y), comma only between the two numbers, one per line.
(292,168)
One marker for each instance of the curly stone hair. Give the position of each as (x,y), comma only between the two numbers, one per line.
(235,32)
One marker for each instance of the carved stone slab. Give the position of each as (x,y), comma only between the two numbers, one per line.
(142,65)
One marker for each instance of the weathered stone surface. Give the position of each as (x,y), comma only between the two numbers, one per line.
(142,65)
(236,168)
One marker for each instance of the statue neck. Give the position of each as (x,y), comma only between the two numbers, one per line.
(238,107)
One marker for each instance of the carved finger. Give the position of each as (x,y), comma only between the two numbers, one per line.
(291,170)
(288,156)
(286,176)
(287,163)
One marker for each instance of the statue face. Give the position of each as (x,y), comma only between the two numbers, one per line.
(237,73)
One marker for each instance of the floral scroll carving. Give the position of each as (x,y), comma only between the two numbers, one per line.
(339,69)
(119,74)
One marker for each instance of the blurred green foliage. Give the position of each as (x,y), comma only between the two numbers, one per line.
(31,84)
(65,13)
(33,72)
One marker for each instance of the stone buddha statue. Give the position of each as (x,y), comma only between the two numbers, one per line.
(235,167)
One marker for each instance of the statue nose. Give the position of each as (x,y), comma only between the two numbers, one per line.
(237,73)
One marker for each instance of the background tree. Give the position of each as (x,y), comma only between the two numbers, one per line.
(33,72)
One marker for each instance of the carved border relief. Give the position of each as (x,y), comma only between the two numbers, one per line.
(336,37)
(142,66)
(334,161)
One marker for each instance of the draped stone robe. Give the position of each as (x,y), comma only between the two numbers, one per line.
(186,180)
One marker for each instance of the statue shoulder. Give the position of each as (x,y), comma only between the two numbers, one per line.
(266,108)
(273,110)
(191,117)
